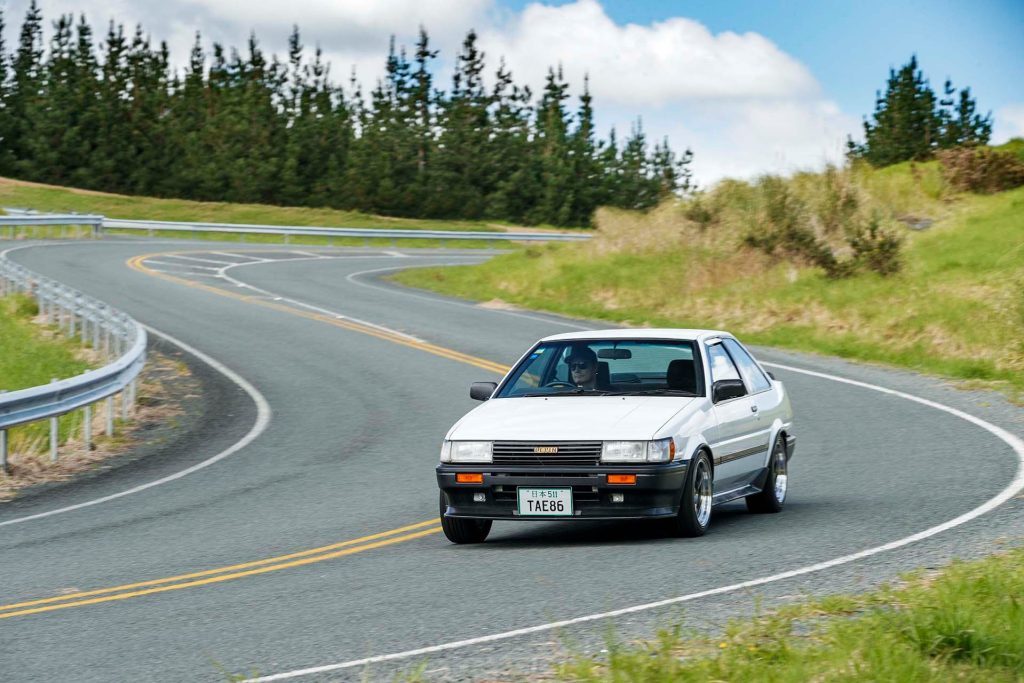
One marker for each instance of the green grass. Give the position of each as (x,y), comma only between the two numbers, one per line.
(956,309)
(965,623)
(316,240)
(60,199)
(29,358)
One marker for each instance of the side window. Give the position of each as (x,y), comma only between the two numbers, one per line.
(752,374)
(721,365)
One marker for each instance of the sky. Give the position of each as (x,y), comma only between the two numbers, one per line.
(750,86)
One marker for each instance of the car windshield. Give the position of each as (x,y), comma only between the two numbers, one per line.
(619,367)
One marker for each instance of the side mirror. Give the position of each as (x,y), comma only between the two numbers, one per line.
(724,389)
(481,391)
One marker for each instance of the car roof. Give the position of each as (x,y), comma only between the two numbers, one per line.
(645,333)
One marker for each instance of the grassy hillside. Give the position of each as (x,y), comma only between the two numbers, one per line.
(956,308)
(19,194)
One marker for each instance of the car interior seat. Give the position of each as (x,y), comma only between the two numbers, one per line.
(604,377)
(682,375)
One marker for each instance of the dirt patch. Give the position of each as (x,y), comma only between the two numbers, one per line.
(165,384)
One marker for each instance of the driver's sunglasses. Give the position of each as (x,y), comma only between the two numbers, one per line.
(579,365)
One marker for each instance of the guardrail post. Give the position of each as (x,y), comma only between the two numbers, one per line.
(3,451)
(54,432)
(54,436)
(87,427)
(110,416)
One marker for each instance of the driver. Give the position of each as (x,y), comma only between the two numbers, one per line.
(583,367)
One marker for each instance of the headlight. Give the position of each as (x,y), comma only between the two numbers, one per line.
(466,451)
(662,450)
(635,452)
(624,451)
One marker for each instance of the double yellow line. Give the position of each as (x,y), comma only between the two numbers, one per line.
(137,263)
(220,574)
(270,564)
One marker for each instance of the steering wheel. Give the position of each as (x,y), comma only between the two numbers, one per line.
(559,383)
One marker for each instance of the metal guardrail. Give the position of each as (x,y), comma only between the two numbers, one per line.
(118,337)
(386,233)
(9,225)
(99,223)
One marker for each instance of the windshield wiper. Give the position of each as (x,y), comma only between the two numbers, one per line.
(653,392)
(575,392)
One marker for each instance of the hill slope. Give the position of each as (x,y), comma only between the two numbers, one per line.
(956,308)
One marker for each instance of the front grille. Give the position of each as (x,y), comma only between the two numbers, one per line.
(582,453)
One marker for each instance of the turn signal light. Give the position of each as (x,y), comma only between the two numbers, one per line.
(622,479)
(467,478)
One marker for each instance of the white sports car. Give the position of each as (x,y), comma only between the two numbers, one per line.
(619,424)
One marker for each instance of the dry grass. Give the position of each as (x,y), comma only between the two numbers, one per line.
(163,384)
(956,308)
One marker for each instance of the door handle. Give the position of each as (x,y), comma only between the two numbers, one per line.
(753,409)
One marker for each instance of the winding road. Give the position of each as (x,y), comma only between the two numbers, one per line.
(290,531)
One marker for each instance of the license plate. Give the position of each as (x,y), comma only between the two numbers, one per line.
(547,502)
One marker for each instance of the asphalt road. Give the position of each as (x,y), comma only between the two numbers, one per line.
(363,379)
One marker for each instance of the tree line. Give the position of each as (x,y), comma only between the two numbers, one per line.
(911,122)
(242,126)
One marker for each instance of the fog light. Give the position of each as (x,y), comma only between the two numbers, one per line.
(479,497)
(618,497)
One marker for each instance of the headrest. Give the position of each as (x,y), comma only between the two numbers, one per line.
(682,375)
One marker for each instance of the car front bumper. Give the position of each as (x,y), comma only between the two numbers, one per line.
(656,493)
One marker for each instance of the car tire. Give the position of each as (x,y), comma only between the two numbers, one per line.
(463,530)
(694,516)
(772,497)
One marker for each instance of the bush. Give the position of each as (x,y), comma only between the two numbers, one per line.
(875,249)
(979,169)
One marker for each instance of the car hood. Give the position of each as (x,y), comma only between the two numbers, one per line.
(568,418)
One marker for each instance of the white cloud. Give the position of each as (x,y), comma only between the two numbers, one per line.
(1009,123)
(668,61)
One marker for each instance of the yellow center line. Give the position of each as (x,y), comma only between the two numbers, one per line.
(136,263)
(218,570)
(225,577)
(296,559)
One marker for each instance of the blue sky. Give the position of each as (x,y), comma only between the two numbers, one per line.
(849,46)
(752,87)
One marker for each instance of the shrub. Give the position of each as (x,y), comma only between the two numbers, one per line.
(875,248)
(979,169)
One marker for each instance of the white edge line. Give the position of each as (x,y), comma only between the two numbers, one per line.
(222,272)
(194,258)
(1014,487)
(263,414)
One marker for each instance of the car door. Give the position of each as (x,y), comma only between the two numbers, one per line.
(739,440)
(765,402)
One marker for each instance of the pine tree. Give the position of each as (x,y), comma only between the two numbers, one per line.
(911,123)
(960,122)
(24,98)
(460,182)
(552,154)
(509,169)
(6,155)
